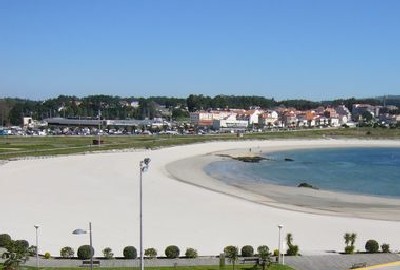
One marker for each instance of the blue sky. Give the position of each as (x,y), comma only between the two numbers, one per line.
(285,49)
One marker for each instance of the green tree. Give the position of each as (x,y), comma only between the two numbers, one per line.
(232,253)
(349,239)
(150,253)
(371,246)
(5,239)
(265,256)
(191,253)
(67,252)
(17,253)
(108,254)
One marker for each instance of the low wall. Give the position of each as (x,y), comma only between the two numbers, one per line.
(125,263)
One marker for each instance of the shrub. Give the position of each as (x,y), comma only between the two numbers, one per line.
(130,252)
(32,251)
(385,248)
(47,255)
(150,252)
(85,252)
(107,252)
(67,252)
(372,246)
(5,239)
(172,252)
(191,253)
(276,252)
(247,251)
(293,250)
(349,250)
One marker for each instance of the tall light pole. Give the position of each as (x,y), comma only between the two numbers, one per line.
(279,242)
(144,165)
(37,246)
(82,231)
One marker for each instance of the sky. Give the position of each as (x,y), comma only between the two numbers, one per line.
(281,49)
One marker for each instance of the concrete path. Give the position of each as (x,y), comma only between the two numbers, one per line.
(338,262)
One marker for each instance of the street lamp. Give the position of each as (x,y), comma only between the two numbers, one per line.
(37,246)
(82,231)
(144,165)
(279,242)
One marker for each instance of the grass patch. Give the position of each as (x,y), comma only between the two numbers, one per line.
(34,146)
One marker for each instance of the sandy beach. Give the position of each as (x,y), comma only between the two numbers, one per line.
(182,204)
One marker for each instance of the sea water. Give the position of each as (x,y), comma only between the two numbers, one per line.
(368,171)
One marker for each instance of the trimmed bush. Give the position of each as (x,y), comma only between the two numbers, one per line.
(32,251)
(5,239)
(150,253)
(130,252)
(372,246)
(107,252)
(191,253)
(67,252)
(247,251)
(263,251)
(47,255)
(276,252)
(85,252)
(385,248)
(172,252)
(349,250)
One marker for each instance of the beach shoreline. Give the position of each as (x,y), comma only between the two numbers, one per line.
(308,200)
(182,205)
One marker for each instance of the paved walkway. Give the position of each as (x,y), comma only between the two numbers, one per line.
(316,262)
(339,262)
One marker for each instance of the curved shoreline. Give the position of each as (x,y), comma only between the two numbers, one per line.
(64,193)
(319,202)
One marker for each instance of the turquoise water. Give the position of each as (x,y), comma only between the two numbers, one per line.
(369,171)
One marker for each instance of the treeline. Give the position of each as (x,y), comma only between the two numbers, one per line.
(12,110)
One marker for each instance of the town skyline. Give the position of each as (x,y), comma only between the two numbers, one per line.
(306,49)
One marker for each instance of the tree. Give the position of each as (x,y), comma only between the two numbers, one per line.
(264,255)
(191,253)
(67,252)
(247,251)
(130,252)
(371,246)
(5,239)
(349,240)
(107,252)
(172,252)
(150,252)
(17,252)
(85,252)
(293,250)
(232,253)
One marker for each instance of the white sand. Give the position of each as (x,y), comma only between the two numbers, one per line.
(65,193)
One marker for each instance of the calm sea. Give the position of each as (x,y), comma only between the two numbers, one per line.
(370,171)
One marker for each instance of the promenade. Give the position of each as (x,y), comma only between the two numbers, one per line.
(317,262)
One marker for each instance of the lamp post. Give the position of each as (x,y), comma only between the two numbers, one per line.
(37,246)
(82,231)
(144,165)
(279,242)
